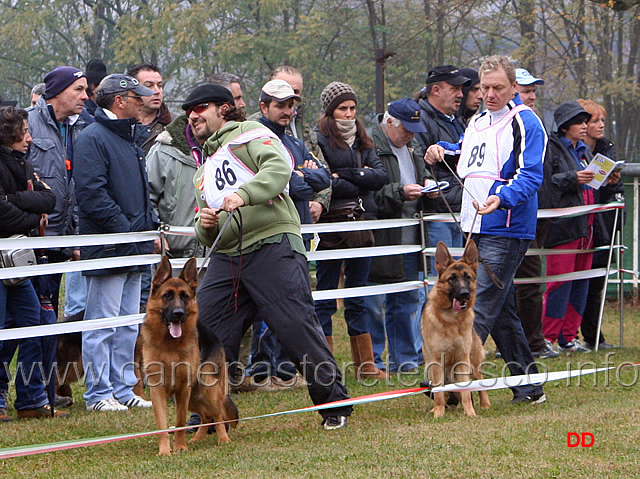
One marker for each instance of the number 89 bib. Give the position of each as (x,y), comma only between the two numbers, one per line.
(224,173)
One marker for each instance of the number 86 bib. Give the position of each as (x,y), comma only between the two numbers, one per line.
(224,173)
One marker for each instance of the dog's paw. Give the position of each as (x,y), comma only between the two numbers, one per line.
(164,452)
(179,448)
(437,412)
(470,413)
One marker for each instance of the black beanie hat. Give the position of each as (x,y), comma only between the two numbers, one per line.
(334,94)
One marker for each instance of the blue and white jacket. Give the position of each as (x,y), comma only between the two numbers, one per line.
(502,154)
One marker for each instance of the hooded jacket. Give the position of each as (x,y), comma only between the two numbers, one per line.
(268,211)
(171,167)
(112,188)
(47,154)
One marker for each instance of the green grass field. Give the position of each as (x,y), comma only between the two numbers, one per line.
(395,438)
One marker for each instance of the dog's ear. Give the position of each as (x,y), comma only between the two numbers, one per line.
(162,274)
(443,257)
(471,255)
(190,273)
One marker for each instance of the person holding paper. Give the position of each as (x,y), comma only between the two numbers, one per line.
(596,140)
(566,178)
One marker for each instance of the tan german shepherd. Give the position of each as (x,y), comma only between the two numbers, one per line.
(181,358)
(452,349)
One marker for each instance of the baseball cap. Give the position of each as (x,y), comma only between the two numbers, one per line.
(120,83)
(523,77)
(449,74)
(408,112)
(208,93)
(278,90)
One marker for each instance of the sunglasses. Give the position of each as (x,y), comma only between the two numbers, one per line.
(197,108)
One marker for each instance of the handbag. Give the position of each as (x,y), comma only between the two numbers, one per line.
(349,211)
(11,258)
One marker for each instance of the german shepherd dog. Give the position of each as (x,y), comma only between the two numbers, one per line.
(182,358)
(452,349)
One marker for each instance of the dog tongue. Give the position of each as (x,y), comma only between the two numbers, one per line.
(457,307)
(175,330)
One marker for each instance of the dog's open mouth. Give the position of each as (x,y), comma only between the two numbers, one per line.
(175,330)
(459,305)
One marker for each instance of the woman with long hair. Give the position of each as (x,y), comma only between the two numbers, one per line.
(356,173)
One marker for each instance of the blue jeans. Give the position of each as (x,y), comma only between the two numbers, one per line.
(356,273)
(107,354)
(495,308)
(448,233)
(398,321)
(20,306)
(75,293)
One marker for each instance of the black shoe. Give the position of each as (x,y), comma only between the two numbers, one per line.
(195,420)
(334,422)
(535,399)
(603,345)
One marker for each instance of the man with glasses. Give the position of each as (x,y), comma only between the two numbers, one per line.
(113,197)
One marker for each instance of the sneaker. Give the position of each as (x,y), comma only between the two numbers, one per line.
(575,346)
(109,404)
(137,401)
(6,399)
(498,354)
(334,422)
(534,400)
(4,417)
(41,412)
(546,352)
(195,420)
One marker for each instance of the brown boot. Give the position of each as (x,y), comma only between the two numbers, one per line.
(362,354)
(330,342)
(41,412)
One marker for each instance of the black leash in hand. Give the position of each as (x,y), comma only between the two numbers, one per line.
(467,237)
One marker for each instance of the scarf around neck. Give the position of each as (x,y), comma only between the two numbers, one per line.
(347,129)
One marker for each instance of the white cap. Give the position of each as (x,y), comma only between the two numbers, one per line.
(523,77)
(278,90)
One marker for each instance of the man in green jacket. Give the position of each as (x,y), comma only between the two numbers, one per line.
(259,267)
(397,314)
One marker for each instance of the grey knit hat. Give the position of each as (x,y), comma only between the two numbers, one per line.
(334,94)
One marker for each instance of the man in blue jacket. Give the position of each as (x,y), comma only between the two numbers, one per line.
(501,160)
(113,197)
(277,103)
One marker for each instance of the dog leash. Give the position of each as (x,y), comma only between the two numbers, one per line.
(225,225)
(496,281)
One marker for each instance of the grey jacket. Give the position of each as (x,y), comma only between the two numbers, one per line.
(47,153)
(171,167)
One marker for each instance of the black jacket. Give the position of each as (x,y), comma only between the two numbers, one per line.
(439,128)
(561,186)
(112,187)
(23,199)
(354,179)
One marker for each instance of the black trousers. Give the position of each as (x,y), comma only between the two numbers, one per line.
(529,296)
(273,284)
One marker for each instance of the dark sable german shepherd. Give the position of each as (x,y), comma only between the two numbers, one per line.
(181,358)
(452,349)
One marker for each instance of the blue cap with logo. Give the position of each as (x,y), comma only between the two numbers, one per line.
(523,77)
(408,112)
